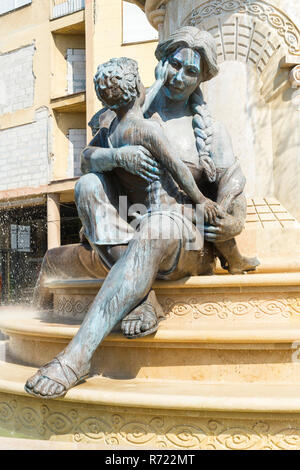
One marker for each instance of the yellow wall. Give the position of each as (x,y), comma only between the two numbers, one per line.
(104,41)
(102,38)
(62,123)
(60,43)
(20,28)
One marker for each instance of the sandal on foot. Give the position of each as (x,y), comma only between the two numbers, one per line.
(65,376)
(149,311)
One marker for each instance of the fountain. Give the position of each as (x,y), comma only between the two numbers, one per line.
(222,370)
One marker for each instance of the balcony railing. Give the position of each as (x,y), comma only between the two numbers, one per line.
(65,7)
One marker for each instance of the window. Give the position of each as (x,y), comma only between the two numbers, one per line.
(136,27)
(76,70)
(65,7)
(9,5)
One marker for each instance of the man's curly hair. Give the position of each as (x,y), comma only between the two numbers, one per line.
(116,82)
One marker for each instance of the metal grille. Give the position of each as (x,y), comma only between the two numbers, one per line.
(65,7)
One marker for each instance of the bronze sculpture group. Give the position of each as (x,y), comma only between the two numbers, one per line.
(175,166)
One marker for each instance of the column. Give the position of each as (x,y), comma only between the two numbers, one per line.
(53,220)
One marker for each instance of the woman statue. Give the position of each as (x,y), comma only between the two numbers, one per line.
(132,258)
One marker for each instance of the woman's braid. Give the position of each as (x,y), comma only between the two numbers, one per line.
(203,130)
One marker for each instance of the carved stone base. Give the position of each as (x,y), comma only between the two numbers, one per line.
(222,371)
(116,426)
(255,297)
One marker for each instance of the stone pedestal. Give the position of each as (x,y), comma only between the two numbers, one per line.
(222,371)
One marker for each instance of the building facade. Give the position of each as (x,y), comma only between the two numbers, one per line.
(50,50)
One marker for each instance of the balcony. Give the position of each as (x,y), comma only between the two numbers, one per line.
(66,7)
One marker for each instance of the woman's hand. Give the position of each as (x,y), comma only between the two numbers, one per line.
(161,74)
(226,227)
(137,160)
(161,71)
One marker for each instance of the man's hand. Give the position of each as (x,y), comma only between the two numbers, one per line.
(137,160)
(211,211)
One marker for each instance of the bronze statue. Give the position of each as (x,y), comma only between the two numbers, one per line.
(177,157)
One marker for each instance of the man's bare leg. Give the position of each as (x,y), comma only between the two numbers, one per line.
(144,318)
(127,283)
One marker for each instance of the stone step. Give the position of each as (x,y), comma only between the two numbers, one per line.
(13,443)
(154,413)
(166,394)
(252,297)
(244,353)
(27,322)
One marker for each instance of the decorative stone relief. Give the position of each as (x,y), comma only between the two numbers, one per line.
(155,11)
(60,421)
(222,307)
(72,306)
(295,77)
(229,307)
(246,30)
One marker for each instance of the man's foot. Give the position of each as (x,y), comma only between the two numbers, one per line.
(144,319)
(54,379)
(243,265)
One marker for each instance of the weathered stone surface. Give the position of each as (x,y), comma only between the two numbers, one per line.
(17,79)
(24,153)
